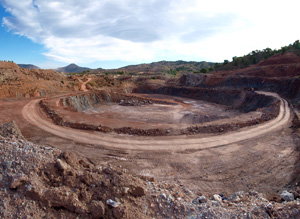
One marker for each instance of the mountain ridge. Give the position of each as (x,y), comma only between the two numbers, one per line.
(71,68)
(28,66)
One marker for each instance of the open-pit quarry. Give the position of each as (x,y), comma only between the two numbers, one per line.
(138,147)
(212,140)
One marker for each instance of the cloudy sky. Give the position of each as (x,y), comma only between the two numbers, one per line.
(114,33)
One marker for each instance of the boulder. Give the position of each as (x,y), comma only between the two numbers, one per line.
(287,196)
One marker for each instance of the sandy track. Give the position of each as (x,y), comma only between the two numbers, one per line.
(31,112)
(83,84)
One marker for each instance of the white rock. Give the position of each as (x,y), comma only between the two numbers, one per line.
(217,198)
(171,198)
(287,196)
(125,190)
(113,203)
(202,199)
(269,206)
(61,165)
(164,196)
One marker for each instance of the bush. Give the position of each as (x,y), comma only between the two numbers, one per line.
(172,72)
(203,70)
(92,83)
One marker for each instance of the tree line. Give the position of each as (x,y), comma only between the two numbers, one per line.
(256,56)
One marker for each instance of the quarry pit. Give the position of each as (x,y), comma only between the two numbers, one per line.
(208,139)
(165,112)
(207,134)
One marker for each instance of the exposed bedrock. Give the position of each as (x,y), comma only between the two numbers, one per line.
(244,101)
(89,100)
(86,101)
(286,87)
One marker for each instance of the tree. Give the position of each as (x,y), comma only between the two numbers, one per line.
(297,44)
(217,65)
(253,60)
(172,72)
(203,70)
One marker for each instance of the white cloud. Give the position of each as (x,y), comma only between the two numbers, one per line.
(85,31)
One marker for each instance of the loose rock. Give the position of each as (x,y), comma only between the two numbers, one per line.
(112,203)
(17,180)
(287,196)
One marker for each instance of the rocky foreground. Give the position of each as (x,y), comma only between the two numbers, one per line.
(43,182)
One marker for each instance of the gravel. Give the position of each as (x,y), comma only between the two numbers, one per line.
(43,182)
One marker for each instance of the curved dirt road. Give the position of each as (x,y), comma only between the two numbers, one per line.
(31,112)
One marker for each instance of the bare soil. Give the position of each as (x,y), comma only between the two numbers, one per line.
(184,111)
(262,156)
(247,159)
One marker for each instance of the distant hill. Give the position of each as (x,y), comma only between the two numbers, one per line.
(164,66)
(28,66)
(72,68)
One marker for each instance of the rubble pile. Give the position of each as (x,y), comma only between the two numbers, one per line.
(43,182)
(134,102)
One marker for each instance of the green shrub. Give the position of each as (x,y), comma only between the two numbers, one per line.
(172,72)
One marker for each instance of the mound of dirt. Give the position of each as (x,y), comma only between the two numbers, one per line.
(10,130)
(134,102)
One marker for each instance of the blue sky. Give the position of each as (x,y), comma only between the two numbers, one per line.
(114,33)
(17,48)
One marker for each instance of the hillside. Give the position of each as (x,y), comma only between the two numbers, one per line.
(72,68)
(164,66)
(19,82)
(172,67)
(28,66)
(278,73)
(257,56)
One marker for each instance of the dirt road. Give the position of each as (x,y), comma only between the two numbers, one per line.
(32,114)
(83,84)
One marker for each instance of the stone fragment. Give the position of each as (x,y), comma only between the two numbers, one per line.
(200,200)
(61,165)
(137,191)
(217,198)
(269,205)
(253,193)
(287,196)
(97,209)
(125,190)
(215,203)
(112,203)
(171,198)
(17,180)
(163,196)
(236,197)
(118,212)
(70,157)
